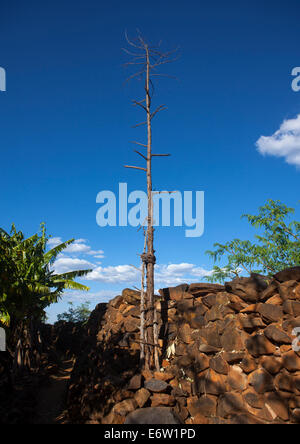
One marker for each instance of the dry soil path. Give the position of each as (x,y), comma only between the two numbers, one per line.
(51,397)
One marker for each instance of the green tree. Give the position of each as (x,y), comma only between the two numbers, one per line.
(79,314)
(28,285)
(276,247)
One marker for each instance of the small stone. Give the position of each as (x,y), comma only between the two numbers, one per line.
(205,405)
(131,324)
(230,403)
(262,381)
(286,290)
(113,419)
(185,333)
(296,415)
(285,382)
(147,374)
(237,379)
(269,291)
(259,345)
(184,361)
(199,419)
(271,364)
(212,383)
(153,415)
(231,339)
(125,407)
(203,289)
(246,419)
(219,365)
(288,274)
(156,385)
(292,308)
(253,399)
(278,405)
(181,411)
(205,348)
(275,300)
(201,361)
(141,397)
(248,364)
(165,363)
(291,361)
(162,399)
(271,313)
(135,382)
(297,292)
(116,302)
(123,394)
(185,306)
(233,357)
(131,296)
(217,312)
(163,376)
(177,293)
(276,335)
(209,300)
(210,335)
(250,323)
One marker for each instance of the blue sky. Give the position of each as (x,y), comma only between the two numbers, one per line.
(66,122)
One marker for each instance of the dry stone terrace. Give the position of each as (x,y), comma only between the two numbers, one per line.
(226,356)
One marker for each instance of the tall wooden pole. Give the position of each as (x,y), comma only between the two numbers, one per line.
(150,231)
(149,325)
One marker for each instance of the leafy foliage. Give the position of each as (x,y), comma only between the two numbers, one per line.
(76,315)
(28,284)
(276,248)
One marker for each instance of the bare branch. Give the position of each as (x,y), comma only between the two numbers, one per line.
(158,109)
(161,155)
(135,167)
(139,124)
(138,143)
(133,63)
(131,43)
(164,192)
(140,73)
(138,269)
(140,154)
(135,102)
(164,75)
(132,53)
(165,54)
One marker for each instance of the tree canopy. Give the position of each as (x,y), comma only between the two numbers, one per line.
(276,246)
(28,283)
(79,314)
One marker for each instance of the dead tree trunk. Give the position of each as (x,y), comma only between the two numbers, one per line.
(150,58)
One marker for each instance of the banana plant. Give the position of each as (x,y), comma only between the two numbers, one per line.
(28,282)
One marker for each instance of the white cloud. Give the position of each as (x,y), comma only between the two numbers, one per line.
(114,274)
(285,142)
(54,241)
(98,254)
(65,264)
(94,297)
(175,274)
(79,246)
(165,275)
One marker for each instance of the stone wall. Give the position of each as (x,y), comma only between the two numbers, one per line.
(226,356)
